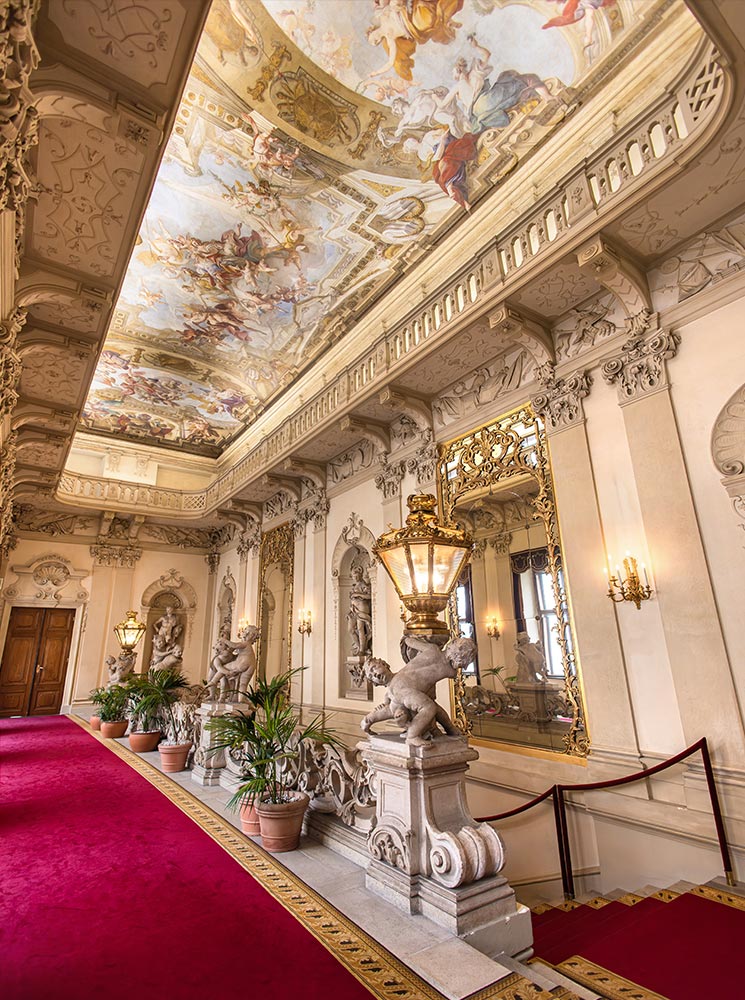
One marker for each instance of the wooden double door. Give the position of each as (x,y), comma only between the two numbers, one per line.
(34,663)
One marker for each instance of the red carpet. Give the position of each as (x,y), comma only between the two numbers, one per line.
(109,890)
(685,950)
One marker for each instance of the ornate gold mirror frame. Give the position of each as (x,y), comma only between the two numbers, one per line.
(511,452)
(277,547)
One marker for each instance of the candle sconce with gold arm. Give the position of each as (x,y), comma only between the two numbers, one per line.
(626,584)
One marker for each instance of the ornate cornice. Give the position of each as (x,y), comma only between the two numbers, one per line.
(560,403)
(640,368)
(249,540)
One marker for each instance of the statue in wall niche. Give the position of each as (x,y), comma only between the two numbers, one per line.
(359,616)
(530,661)
(232,667)
(165,658)
(120,667)
(168,628)
(410,692)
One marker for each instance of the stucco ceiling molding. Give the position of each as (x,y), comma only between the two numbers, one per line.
(728,436)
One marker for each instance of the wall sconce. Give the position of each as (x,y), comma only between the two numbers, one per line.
(492,627)
(304,622)
(243,626)
(628,586)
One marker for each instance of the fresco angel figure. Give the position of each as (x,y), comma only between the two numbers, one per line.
(400,26)
(578,10)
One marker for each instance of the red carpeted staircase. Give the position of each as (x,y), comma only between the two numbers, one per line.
(677,945)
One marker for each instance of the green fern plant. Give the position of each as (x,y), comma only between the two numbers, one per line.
(112,704)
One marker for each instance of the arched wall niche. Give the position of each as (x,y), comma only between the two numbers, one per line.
(275,599)
(353,549)
(728,451)
(172,590)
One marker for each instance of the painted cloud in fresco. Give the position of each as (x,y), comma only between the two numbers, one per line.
(318,144)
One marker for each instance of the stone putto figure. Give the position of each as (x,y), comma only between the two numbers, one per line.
(410,692)
(233,665)
(529,660)
(120,667)
(359,616)
(165,658)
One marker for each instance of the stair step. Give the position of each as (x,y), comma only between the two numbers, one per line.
(552,976)
(561,941)
(720,882)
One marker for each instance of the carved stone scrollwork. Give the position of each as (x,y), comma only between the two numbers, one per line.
(640,368)
(341,777)
(249,540)
(387,844)
(7,475)
(463,857)
(121,556)
(501,543)
(19,119)
(10,362)
(423,463)
(560,403)
(312,510)
(388,480)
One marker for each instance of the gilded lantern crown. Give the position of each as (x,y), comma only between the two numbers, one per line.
(424,559)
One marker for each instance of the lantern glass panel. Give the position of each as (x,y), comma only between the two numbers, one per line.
(420,562)
(397,564)
(448,561)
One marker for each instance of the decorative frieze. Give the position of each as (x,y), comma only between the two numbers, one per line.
(352,461)
(640,368)
(29,518)
(388,480)
(560,403)
(119,556)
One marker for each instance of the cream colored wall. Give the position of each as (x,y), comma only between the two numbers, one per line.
(113,591)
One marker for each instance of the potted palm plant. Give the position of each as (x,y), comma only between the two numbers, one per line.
(112,710)
(96,698)
(157,696)
(267,741)
(144,715)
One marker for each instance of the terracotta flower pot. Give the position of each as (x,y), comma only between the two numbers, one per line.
(250,819)
(144,742)
(173,756)
(95,723)
(282,822)
(114,730)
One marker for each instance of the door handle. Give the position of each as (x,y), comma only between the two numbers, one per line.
(39,668)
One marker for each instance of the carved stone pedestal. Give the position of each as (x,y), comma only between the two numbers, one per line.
(207,766)
(531,700)
(430,856)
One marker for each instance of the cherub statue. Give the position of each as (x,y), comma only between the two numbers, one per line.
(165,658)
(120,667)
(233,665)
(529,660)
(410,693)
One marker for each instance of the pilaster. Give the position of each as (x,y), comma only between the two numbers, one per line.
(683,588)
(610,718)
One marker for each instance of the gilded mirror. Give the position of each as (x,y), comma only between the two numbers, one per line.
(276,569)
(522,688)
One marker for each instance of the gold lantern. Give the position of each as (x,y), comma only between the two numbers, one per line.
(424,560)
(129,632)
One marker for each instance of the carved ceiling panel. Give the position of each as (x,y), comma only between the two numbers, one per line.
(560,288)
(77,315)
(57,374)
(87,180)
(319,149)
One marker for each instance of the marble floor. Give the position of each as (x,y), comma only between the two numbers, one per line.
(444,961)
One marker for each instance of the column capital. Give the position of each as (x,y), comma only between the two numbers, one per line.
(560,402)
(640,367)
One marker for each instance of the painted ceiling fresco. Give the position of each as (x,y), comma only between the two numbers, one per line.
(321,147)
